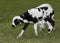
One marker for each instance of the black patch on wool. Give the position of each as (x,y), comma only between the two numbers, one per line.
(38,9)
(29,17)
(51,13)
(35,20)
(40,18)
(45,8)
(50,20)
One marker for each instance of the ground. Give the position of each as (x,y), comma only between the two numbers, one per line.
(11,8)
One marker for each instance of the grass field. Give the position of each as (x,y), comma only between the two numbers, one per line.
(11,8)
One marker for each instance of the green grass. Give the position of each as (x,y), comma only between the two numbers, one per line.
(11,8)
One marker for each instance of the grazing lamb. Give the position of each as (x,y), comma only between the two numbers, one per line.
(40,15)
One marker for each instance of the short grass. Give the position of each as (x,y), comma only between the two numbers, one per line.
(11,8)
